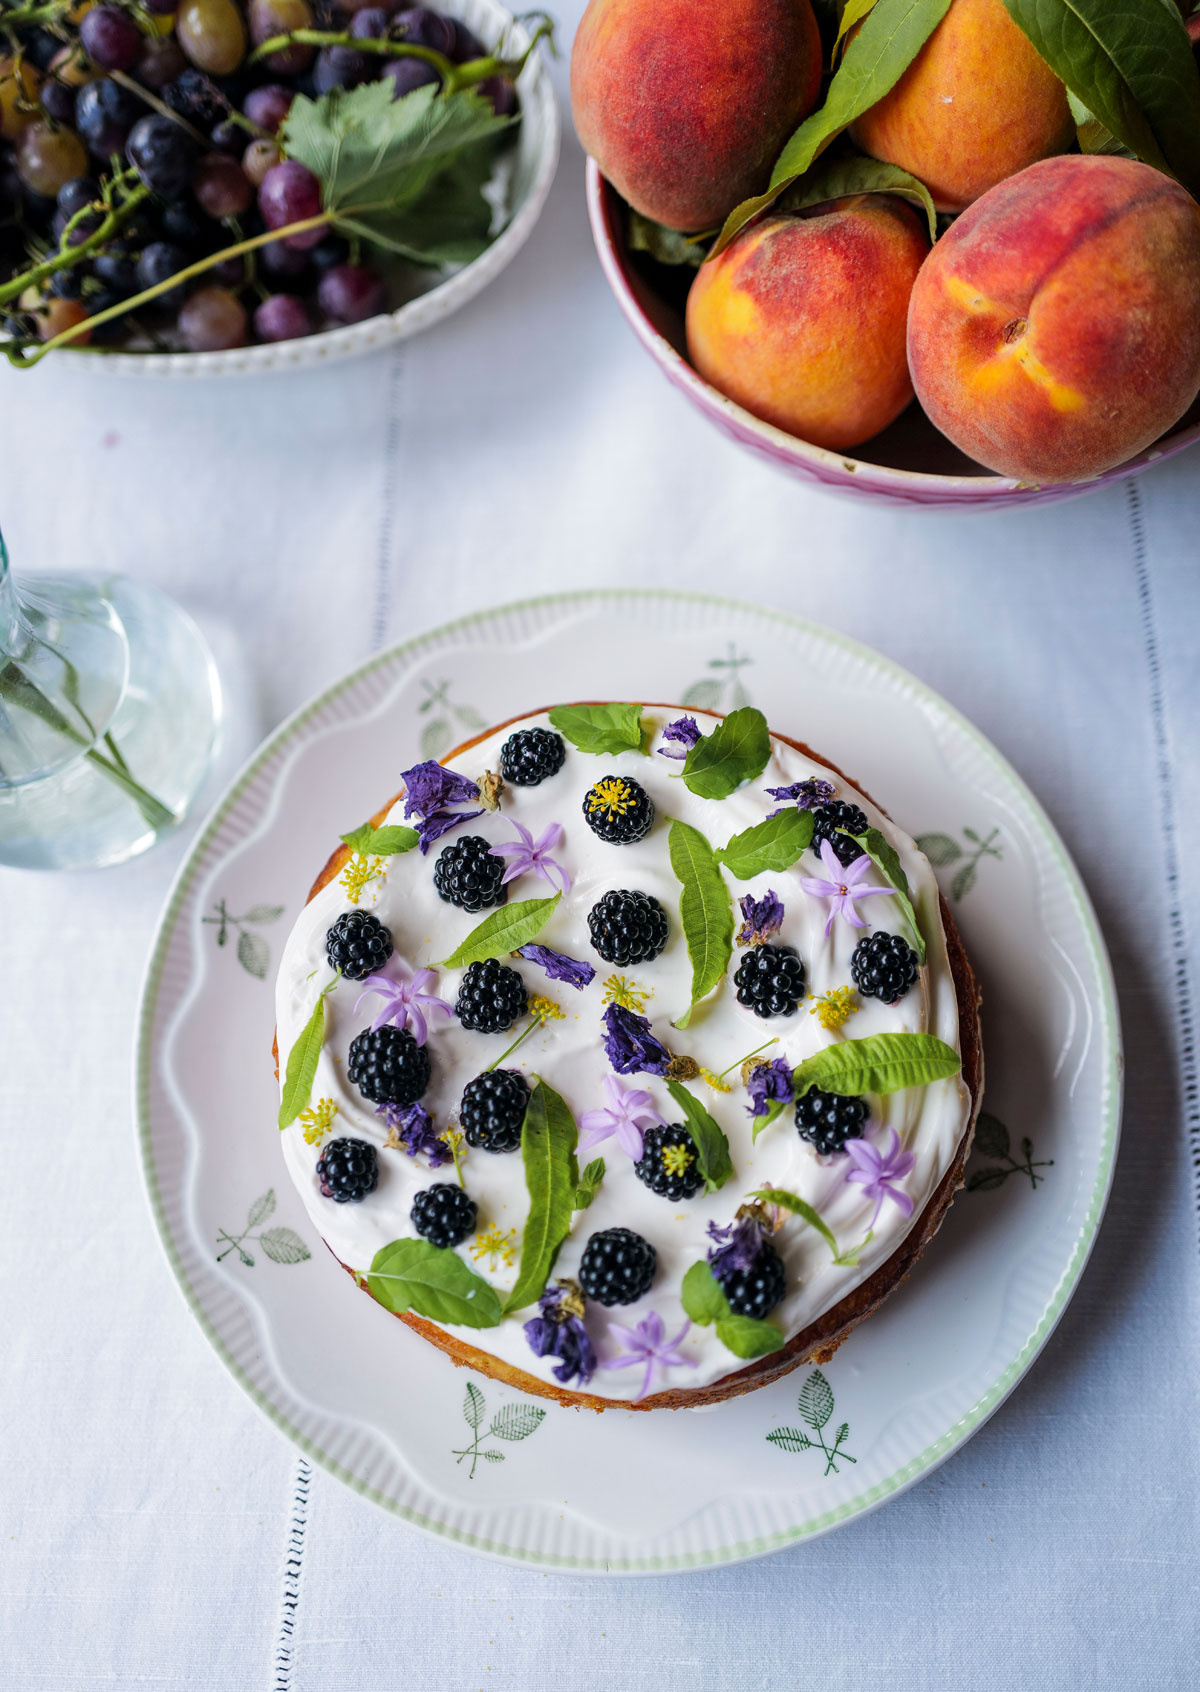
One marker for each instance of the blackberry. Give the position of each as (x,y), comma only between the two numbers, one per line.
(358,944)
(387,1065)
(884,966)
(754,1292)
(770,980)
(617,1267)
(490,997)
(628,928)
(443,1214)
(618,810)
(493,1109)
(348,1170)
(531,756)
(828,1120)
(668,1164)
(828,819)
(468,875)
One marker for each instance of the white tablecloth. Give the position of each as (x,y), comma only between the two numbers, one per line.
(155,1531)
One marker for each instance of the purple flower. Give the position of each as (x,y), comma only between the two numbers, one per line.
(529,854)
(684,731)
(433,827)
(431,787)
(558,966)
(840,887)
(761,918)
(629,1111)
(736,1247)
(559,1332)
(405,1002)
(631,1045)
(769,1083)
(877,1172)
(807,795)
(414,1125)
(648,1344)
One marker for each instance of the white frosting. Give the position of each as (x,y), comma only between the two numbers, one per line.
(931,1120)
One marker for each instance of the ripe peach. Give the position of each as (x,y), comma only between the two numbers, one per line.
(801,318)
(685,104)
(977,104)
(1054,330)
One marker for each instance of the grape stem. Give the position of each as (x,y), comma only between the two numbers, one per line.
(66,256)
(45,13)
(453,77)
(159,106)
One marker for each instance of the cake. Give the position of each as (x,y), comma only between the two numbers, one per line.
(629,1055)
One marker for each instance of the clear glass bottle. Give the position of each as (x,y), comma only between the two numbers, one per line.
(109,708)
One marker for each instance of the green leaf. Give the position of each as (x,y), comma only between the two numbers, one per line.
(886,860)
(473,1405)
(302,1061)
(262,1208)
(881,1063)
(283,1246)
(991,1136)
(789,1201)
(771,845)
(665,245)
(940,849)
(747,1338)
(503,931)
(551,1177)
(857,174)
(712,1148)
(702,1296)
(253,954)
(775,1109)
(1132,67)
(433,1281)
(705,1302)
(790,1439)
(381,842)
(705,910)
(982,1180)
(892,34)
(517,1421)
(263,913)
(601,728)
(735,752)
(589,1183)
(853,12)
(964,879)
(816,1401)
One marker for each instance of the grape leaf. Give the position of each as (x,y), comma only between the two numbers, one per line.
(886,860)
(551,1176)
(601,728)
(705,910)
(771,845)
(881,1063)
(506,929)
(433,1281)
(856,174)
(735,752)
(712,1148)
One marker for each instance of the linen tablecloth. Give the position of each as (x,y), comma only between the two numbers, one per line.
(153,1529)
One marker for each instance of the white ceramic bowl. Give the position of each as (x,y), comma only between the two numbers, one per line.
(534,162)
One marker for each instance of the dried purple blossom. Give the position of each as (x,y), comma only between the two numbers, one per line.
(433,827)
(631,1045)
(769,1083)
(806,795)
(414,1127)
(647,1344)
(559,1332)
(761,918)
(430,787)
(526,853)
(558,966)
(685,732)
(736,1247)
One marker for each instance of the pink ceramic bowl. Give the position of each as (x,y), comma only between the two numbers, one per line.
(910,463)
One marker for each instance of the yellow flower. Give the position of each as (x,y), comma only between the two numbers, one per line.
(835,1007)
(612,795)
(545,1009)
(358,873)
(715,1081)
(619,990)
(676,1160)
(456,1143)
(496,1245)
(316,1122)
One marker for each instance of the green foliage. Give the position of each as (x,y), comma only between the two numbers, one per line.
(712,1148)
(881,1063)
(601,728)
(705,910)
(771,845)
(412,1274)
(503,931)
(854,173)
(735,752)
(548,1140)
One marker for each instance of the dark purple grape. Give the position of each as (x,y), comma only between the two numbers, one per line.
(162,153)
(283,263)
(58,101)
(161,8)
(74,195)
(422,27)
(104,116)
(229,138)
(196,96)
(341,67)
(158,261)
(161,62)
(407,74)
(467,44)
(282,317)
(118,272)
(230,273)
(289,194)
(500,91)
(111,39)
(268,106)
(213,320)
(40,48)
(221,186)
(68,284)
(349,293)
(269,18)
(371,24)
(332,250)
(184,226)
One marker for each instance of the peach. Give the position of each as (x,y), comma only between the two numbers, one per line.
(1054,330)
(685,104)
(801,319)
(977,104)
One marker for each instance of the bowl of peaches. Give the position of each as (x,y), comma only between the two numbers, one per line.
(933,252)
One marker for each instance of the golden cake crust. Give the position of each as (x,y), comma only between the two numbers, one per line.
(816,1343)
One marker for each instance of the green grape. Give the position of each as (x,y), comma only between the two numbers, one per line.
(212,34)
(49,156)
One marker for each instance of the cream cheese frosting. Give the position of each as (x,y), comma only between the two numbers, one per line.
(569,1054)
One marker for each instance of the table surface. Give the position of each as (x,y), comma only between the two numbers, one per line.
(156,1531)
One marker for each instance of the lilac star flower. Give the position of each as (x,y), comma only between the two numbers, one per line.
(629,1112)
(433,827)
(877,1172)
(529,854)
(769,1083)
(761,918)
(414,1125)
(807,795)
(406,1002)
(685,732)
(559,1332)
(631,1045)
(737,1247)
(431,787)
(558,966)
(840,887)
(648,1344)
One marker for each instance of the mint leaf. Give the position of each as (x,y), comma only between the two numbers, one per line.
(747,1338)
(774,1110)
(798,1207)
(705,910)
(506,929)
(703,1296)
(712,1148)
(551,1177)
(434,1282)
(589,1183)
(887,862)
(601,728)
(882,1063)
(735,752)
(771,845)
(302,1060)
(857,174)
(381,842)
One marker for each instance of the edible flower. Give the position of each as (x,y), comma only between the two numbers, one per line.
(835,1007)
(684,732)
(878,1172)
(558,966)
(806,795)
(735,1249)
(405,1002)
(558,1331)
(410,1129)
(631,1044)
(840,887)
(530,854)
(429,789)
(760,918)
(769,1083)
(628,1113)
(648,1344)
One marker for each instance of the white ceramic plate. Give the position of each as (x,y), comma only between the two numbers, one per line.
(627,1492)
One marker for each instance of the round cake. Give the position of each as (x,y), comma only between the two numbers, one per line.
(629,1055)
